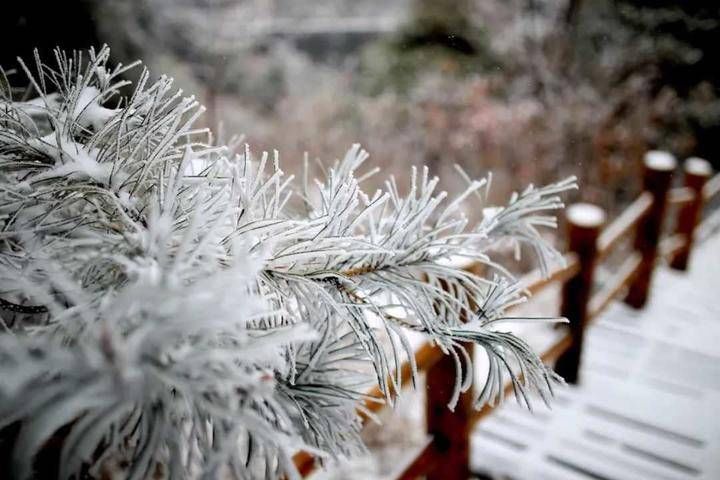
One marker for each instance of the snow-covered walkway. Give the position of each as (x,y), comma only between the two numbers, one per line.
(648,406)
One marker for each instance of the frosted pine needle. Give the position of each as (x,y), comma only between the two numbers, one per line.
(162,303)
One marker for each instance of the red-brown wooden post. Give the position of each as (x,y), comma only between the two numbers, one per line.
(584,223)
(450,430)
(659,167)
(697,172)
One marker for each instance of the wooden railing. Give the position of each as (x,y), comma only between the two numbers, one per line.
(590,242)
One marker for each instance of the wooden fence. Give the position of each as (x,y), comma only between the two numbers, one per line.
(590,242)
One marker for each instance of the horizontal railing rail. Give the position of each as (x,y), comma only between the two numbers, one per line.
(623,225)
(711,188)
(680,196)
(616,286)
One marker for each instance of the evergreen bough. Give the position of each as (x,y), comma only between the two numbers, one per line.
(166,308)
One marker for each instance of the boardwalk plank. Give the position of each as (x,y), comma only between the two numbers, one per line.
(647,404)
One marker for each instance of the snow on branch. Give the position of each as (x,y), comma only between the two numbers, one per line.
(163,304)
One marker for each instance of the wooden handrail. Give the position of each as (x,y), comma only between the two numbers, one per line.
(711,188)
(709,224)
(680,196)
(616,286)
(623,224)
(534,281)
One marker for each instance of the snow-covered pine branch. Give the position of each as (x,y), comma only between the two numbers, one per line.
(164,305)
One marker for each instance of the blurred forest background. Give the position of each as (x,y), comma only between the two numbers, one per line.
(532,90)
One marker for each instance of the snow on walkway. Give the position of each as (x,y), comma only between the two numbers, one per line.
(648,406)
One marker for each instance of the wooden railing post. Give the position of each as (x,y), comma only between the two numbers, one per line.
(697,172)
(584,223)
(450,430)
(659,167)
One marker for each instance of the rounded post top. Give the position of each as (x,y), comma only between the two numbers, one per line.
(586,215)
(698,166)
(660,160)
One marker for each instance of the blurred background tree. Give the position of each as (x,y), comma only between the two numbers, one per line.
(679,40)
(437,36)
(530,89)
